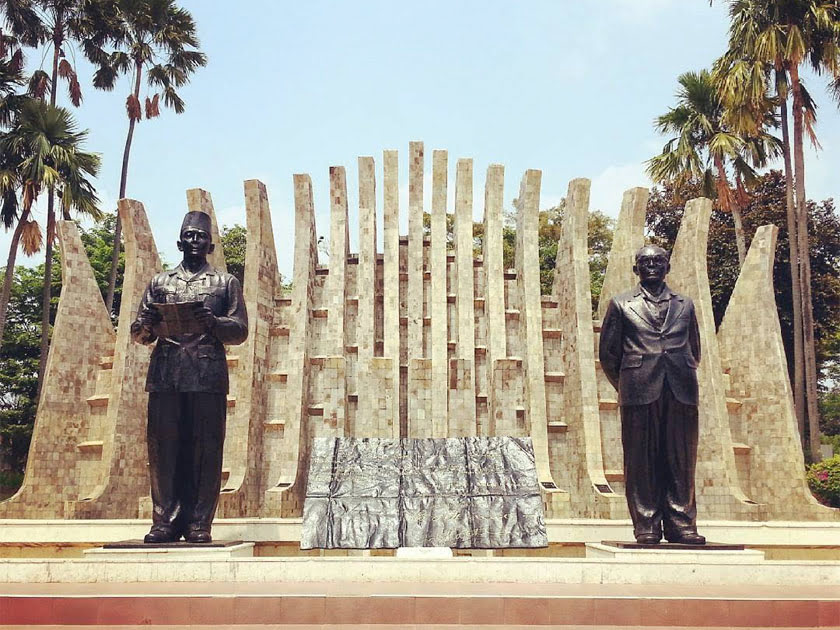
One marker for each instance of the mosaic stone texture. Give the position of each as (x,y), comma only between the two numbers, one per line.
(475,492)
(429,338)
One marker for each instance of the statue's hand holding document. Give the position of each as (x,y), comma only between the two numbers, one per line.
(178,319)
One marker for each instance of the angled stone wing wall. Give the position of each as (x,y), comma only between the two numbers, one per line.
(766,444)
(77,377)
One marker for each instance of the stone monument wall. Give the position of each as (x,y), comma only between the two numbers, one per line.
(431,337)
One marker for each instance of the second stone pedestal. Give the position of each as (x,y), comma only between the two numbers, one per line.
(671,552)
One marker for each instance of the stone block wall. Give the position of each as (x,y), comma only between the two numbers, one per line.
(425,338)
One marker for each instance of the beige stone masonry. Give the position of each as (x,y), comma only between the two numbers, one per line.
(199,200)
(764,424)
(250,363)
(438,302)
(494,298)
(82,337)
(124,478)
(462,418)
(627,239)
(719,495)
(391,287)
(531,323)
(284,495)
(581,470)
(417,341)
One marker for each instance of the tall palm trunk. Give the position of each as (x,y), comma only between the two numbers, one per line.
(58,33)
(740,239)
(115,253)
(809,350)
(796,297)
(10,273)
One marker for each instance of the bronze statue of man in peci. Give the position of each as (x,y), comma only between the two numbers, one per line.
(649,351)
(188,385)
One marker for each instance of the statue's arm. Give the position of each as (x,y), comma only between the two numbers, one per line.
(610,345)
(142,326)
(694,335)
(232,327)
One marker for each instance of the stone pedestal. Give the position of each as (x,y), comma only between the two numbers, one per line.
(420,553)
(176,552)
(665,552)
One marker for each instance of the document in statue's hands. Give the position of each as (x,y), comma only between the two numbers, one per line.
(178,319)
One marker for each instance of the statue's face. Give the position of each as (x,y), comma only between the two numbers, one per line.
(651,265)
(195,243)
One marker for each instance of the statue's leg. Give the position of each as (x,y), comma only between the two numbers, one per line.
(680,453)
(208,428)
(163,439)
(640,428)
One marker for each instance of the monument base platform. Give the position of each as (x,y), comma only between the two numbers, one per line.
(500,605)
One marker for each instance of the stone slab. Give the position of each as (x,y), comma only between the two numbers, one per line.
(786,533)
(180,544)
(737,571)
(709,546)
(424,552)
(136,550)
(670,553)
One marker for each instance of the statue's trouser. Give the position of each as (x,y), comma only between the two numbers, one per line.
(186,434)
(660,455)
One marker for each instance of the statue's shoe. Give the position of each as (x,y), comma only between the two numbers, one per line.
(198,536)
(688,538)
(647,539)
(160,534)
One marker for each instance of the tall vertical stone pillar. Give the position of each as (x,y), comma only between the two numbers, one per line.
(591,495)
(391,290)
(531,325)
(76,379)
(332,372)
(628,238)
(249,364)
(199,200)
(494,297)
(438,309)
(374,374)
(462,413)
(419,366)
(719,494)
(284,496)
(124,477)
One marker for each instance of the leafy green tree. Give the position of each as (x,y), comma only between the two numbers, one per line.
(155,37)
(234,240)
(767,205)
(786,35)
(52,158)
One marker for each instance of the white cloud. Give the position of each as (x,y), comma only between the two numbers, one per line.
(608,186)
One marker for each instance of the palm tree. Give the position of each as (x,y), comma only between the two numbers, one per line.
(785,35)
(49,155)
(703,148)
(151,36)
(25,231)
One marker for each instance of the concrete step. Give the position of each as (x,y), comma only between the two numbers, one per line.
(496,605)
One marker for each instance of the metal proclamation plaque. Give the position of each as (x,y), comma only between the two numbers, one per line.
(474,492)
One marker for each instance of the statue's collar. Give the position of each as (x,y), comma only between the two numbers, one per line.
(186,275)
(664,296)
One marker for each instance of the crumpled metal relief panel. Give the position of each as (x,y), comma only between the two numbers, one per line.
(478,492)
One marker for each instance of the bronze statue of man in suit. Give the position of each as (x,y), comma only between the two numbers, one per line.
(188,386)
(649,351)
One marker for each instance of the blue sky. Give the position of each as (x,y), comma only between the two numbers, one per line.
(568,87)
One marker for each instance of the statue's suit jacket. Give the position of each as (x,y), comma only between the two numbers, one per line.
(637,355)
